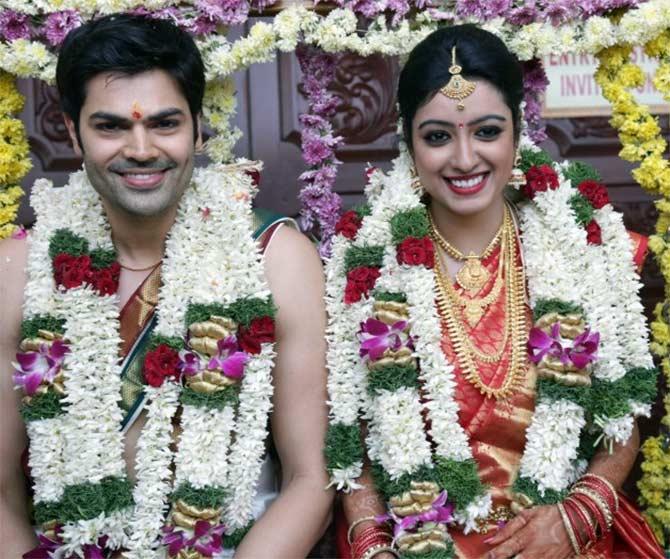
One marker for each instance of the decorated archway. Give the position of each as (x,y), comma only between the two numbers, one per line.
(32,30)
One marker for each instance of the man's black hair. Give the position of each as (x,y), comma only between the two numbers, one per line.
(128,45)
(481,54)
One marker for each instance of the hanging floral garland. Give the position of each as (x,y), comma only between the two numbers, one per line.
(643,142)
(14,153)
(211,352)
(380,277)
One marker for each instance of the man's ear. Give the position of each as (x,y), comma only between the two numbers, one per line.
(69,124)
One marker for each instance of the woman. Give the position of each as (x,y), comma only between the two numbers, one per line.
(496,371)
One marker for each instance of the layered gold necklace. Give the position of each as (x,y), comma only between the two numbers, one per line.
(450,302)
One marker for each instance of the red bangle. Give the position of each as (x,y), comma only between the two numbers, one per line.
(575,508)
(369,537)
(593,509)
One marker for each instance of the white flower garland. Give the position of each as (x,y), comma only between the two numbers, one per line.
(85,444)
(559,263)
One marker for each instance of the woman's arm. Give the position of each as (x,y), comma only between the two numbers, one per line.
(539,532)
(301,513)
(16,534)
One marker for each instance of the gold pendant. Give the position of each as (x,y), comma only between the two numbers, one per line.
(473,312)
(473,275)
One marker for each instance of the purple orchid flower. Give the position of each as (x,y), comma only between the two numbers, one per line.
(189,363)
(584,349)
(49,548)
(229,360)
(34,367)
(376,337)
(440,512)
(540,344)
(207,539)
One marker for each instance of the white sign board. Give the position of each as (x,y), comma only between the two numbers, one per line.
(573,91)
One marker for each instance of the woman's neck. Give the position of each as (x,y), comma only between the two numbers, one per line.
(472,232)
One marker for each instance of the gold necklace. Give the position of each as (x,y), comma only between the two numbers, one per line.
(151,267)
(515,323)
(473,275)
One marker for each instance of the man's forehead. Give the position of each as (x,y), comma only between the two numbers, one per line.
(154,91)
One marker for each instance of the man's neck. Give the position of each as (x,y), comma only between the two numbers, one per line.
(139,240)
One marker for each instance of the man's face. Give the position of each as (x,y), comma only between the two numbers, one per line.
(137,141)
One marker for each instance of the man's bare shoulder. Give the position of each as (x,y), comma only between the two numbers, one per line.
(13,259)
(293,268)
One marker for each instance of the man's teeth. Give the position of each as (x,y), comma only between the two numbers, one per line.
(469,183)
(141,176)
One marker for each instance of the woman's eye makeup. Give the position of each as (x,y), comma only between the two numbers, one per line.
(488,132)
(434,137)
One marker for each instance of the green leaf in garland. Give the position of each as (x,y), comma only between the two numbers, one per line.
(389,487)
(43,406)
(578,172)
(65,241)
(530,489)
(156,339)
(369,256)
(216,400)
(243,311)
(551,390)
(343,446)
(583,209)
(102,258)
(412,223)
(197,312)
(531,158)
(392,378)
(363,210)
(588,444)
(209,497)
(31,326)
(380,295)
(460,479)
(546,306)
(447,553)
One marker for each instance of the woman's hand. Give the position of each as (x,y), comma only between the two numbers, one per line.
(535,533)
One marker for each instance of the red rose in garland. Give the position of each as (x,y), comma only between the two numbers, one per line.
(106,280)
(349,224)
(260,330)
(416,252)
(71,271)
(593,233)
(359,282)
(595,193)
(540,179)
(160,363)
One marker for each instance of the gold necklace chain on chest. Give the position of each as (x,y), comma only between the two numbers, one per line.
(514,326)
(473,275)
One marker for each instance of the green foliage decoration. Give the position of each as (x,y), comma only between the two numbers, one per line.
(343,446)
(369,256)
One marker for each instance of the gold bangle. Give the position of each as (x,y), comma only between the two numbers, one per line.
(355,523)
(376,549)
(608,484)
(568,528)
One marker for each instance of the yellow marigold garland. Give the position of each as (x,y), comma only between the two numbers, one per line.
(14,153)
(642,141)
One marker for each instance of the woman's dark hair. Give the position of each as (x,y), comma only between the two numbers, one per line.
(481,54)
(128,44)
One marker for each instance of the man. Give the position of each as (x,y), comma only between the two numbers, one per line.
(131,91)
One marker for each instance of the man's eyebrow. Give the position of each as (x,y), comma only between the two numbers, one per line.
(471,123)
(118,119)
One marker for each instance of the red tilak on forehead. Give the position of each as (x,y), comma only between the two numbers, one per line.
(460,125)
(136,111)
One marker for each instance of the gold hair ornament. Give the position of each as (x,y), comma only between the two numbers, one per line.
(458,87)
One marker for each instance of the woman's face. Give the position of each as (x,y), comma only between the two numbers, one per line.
(464,158)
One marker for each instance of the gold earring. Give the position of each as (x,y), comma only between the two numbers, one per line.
(518,177)
(416,181)
(458,87)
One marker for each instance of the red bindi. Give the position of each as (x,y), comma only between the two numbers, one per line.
(460,125)
(136,111)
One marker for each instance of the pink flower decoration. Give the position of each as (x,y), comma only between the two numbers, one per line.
(34,367)
(207,539)
(189,363)
(584,349)
(376,337)
(229,360)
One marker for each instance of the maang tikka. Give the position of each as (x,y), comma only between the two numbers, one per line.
(458,87)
